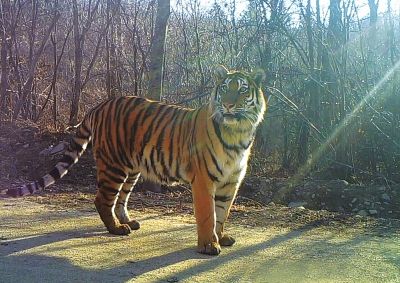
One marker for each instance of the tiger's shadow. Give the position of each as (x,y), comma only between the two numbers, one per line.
(43,268)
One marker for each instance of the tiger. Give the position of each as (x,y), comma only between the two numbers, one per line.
(207,148)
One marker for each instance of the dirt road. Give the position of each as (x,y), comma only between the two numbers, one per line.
(44,243)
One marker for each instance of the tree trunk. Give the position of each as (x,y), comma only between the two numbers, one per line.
(157,50)
(5,6)
(27,87)
(79,40)
(157,62)
(78,57)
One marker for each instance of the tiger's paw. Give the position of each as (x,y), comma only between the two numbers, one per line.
(122,229)
(212,248)
(226,241)
(134,225)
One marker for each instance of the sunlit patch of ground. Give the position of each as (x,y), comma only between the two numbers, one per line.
(42,242)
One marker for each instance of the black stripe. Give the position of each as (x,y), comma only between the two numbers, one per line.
(214,160)
(220,206)
(224,144)
(67,159)
(85,128)
(212,176)
(193,134)
(81,135)
(114,179)
(210,139)
(116,171)
(74,146)
(127,191)
(99,127)
(149,132)
(55,173)
(135,102)
(181,135)
(223,198)
(160,137)
(246,146)
(120,146)
(106,188)
(129,135)
(176,118)
(133,130)
(152,161)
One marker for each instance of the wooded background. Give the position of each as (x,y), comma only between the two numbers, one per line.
(332,70)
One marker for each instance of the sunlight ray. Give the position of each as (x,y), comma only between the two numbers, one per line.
(315,156)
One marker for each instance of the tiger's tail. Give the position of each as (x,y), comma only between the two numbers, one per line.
(75,149)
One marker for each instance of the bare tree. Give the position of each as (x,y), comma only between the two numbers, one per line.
(79,40)
(4,30)
(33,58)
(157,50)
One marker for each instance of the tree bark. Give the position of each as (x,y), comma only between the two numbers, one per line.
(27,87)
(79,40)
(157,50)
(157,63)
(5,10)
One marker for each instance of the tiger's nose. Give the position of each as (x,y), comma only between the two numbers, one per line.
(229,106)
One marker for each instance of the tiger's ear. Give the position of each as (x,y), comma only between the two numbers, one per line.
(220,72)
(258,76)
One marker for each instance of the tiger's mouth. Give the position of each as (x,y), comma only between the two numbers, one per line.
(231,118)
(230,115)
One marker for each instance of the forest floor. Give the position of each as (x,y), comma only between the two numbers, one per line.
(57,236)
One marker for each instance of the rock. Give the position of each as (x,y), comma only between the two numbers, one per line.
(362,213)
(373,211)
(293,204)
(385,197)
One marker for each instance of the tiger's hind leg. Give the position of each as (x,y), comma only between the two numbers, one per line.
(121,207)
(110,180)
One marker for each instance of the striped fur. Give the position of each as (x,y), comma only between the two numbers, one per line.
(207,148)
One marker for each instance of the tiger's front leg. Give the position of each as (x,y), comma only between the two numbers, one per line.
(224,196)
(204,211)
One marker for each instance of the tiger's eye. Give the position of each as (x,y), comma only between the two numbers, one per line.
(243,89)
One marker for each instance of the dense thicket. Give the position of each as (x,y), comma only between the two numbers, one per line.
(333,76)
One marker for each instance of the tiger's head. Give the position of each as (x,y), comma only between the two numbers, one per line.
(237,99)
